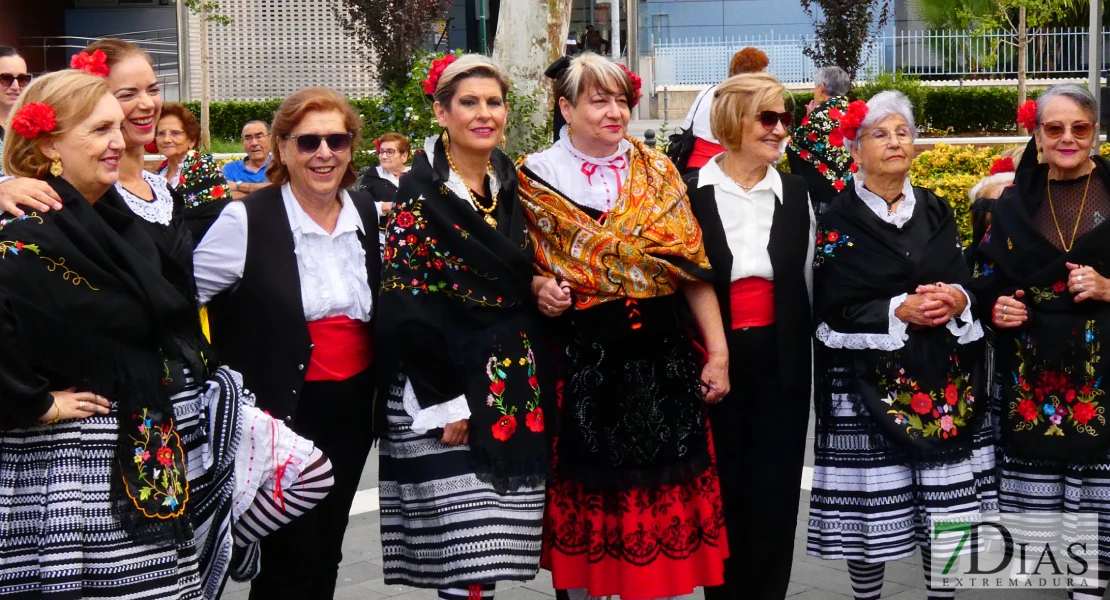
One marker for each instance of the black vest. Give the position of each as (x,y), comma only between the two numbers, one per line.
(258,328)
(788,246)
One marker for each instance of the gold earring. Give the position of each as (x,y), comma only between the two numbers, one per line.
(56,167)
(446,139)
(504,142)
(570,130)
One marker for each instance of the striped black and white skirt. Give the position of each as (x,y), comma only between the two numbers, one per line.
(441,526)
(868,504)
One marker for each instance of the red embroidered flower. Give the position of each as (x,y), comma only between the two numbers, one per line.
(533,381)
(439,65)
(165,456)
(438,264)
(504,428)
(804,154)
(497,387)
(1027,409)
(838,185)
(1059,287)
(833,236)
(836,137)
(1070,396)
(951,395)
(390,252)
(1004,164)
(411,240)
(921,403)
(850,122)
(218,192)
(805,120)
(1027,115)
(33,119)
(1084,412)
(1086,391)
(534,420)
(19,245)
(822,168)
(812,136)
(405,219)
(95,63)
(835,114)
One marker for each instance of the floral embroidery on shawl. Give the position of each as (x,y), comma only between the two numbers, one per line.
(818,140)
(929,413)
(159,461)
(15,247)
(827,242)
(505,427)
(643,248)
(1064,400)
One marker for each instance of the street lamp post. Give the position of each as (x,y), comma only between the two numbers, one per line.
(1094,59)
(482,8)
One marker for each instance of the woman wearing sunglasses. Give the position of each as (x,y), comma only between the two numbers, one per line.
(13,78)
(624,272)
(759,229)
(902,437)
(292,273)
(1042,272)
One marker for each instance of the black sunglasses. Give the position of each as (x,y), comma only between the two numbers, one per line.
(309,143)
(6,79)
(769,118)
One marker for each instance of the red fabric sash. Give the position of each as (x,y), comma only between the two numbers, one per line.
(753,302)
(341,348)
(702,152)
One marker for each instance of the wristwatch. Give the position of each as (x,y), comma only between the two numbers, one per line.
(238,186)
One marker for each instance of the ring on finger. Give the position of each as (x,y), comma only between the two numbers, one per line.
(1081,288)
(81,405)
(1005,317)
(1005,310)
(1079,278)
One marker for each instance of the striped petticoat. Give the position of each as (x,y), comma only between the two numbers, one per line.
(868,505)
(441,526)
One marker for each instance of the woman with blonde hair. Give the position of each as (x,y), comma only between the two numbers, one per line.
(758,227)
(467,395)
(635,507)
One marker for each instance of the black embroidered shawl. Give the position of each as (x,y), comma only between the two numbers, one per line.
(1051,370)
(920,396)
(94,312)
(456,315)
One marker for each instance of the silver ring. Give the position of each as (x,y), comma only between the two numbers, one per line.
(1005,309)
(1081,288)
(1079,278)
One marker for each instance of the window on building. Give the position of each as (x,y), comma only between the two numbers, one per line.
(660,26)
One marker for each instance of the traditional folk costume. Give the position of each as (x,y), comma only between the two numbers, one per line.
(197,213)
(1050,372)
(635,507)
(826,167)
(760,244)
(901,438)
(94,302)
(458,331)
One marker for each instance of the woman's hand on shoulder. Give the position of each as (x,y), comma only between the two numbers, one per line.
(33,194)
(71,404)
(1009,311)
(552,297)
(457,433)
(1087,284)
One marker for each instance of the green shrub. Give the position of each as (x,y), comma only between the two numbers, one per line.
(908,85)
(950,172)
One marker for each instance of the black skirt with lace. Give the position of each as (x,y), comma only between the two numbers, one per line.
(633,412)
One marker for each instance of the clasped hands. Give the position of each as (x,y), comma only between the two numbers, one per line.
(932,305)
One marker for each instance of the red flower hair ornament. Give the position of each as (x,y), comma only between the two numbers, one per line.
(377,144)
(439,65)
(1003,164)
(95,63)
(637,83)
(1027,115)
(851,121)
(33,120)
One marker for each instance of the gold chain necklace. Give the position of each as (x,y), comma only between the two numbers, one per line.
(492,222)
(1067,247)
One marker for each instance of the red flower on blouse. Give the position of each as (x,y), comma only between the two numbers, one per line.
(405,219)
(833,236)
(836,137)
(812,136)
(921,403)
(504,428)
(838,185)
(218,192)
(804,154)
(534,420)
(835,114)
(497,387)
(951,395)
(822,168)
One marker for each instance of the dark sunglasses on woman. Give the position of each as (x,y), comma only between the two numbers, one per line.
(309,143)
(769,118)
(6,79)
(1079,129)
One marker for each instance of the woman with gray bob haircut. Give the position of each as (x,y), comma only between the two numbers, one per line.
(831,82)
(899,438)
(813,153)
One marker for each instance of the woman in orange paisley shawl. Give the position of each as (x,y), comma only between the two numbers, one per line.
(634,509)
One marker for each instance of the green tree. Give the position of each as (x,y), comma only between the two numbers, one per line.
(844,29)
(392,31)
(208,12)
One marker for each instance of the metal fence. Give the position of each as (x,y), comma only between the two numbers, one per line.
(1051,53)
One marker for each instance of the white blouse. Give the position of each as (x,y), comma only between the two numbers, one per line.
(386,175)
(698,117)
(331,267)
(746,217)
(595,183)
(159,210)
(965,328)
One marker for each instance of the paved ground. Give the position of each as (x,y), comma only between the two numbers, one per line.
(360,575)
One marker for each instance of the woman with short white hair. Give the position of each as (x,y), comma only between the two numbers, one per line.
(899,438)
(817,152)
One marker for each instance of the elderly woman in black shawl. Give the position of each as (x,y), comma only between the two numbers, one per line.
(1042,270)
(897,416)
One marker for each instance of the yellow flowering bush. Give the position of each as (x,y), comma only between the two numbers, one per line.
(950,172)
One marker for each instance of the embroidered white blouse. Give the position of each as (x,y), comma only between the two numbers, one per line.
(746,217)
(331,267)
(159,210)
(965,328)
(595,183)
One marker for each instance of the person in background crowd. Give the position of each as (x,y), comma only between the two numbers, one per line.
(902,436)
(635,506)
(292,273)
(1042,274)
(381,181)
(193,175)
(817,150)
(13,78)
(746,60)
(759,230)
(249,175)
(468,388)
(591,41)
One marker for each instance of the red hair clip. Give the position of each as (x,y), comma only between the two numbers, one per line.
(95,63)
(34,119)
(850,122)
(439,65)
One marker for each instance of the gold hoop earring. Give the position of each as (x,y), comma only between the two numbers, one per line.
(446,139)
(56,167)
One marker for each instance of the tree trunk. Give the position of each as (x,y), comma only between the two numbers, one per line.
(205,89)
(1022,50)
(530,35)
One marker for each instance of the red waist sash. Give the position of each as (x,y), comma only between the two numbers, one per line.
(753,302)
(341,348)
(702,152)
